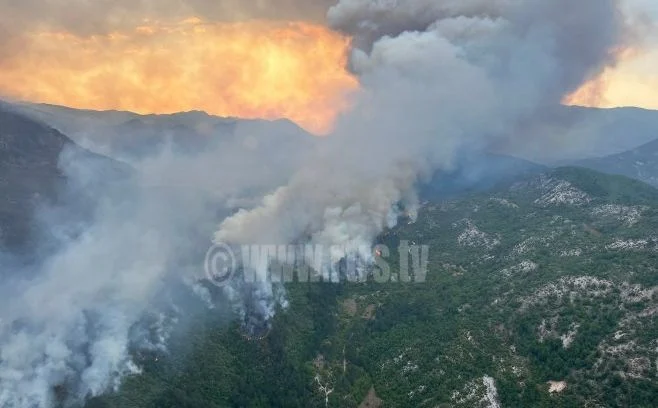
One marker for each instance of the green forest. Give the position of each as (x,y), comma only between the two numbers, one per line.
(550,279)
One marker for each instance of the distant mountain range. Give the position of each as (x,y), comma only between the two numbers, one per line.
(581,133)
(602,139)
(476,172)
(640,163)
(563,135)
(131,136)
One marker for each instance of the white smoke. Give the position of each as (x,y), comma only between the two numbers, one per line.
(437,77)
(72,322)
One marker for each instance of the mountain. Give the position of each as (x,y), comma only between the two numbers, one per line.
(599,132)
(564,133)
(640,163)
(540,292)
(131,136)
(476,172)
(34,161)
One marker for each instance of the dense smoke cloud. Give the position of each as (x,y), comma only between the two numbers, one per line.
(72,320)
(437,78)
(581,35)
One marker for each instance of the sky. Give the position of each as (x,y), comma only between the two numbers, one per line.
(634,82)
(231,58)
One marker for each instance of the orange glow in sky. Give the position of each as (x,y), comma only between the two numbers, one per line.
(250,70)
(632,82)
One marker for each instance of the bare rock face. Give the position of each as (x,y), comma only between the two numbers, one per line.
(556,387)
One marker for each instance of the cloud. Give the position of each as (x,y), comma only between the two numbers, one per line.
(95,17)
(85,18)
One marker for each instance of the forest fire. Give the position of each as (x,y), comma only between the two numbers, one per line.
(254,69)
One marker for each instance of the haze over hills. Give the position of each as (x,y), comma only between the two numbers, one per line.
(595,132)
(570,133)
(131,136)
(587,134)
(88,244)
(134,137)
(34,161)
(640,163)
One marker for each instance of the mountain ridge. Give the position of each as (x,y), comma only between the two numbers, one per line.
(585,132)
(640,163)
(33,162)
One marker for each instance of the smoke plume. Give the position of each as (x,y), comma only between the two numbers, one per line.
(437,78)
(70,324)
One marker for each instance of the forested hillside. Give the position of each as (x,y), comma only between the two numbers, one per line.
(540,293)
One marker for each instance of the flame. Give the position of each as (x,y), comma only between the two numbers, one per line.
(254,69)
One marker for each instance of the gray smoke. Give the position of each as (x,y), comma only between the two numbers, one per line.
(438,77)
(72,322)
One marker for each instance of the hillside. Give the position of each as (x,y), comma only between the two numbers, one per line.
(476,172)
(596,132)
(36,163)
(541,293)
(131,136)
(640,163)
